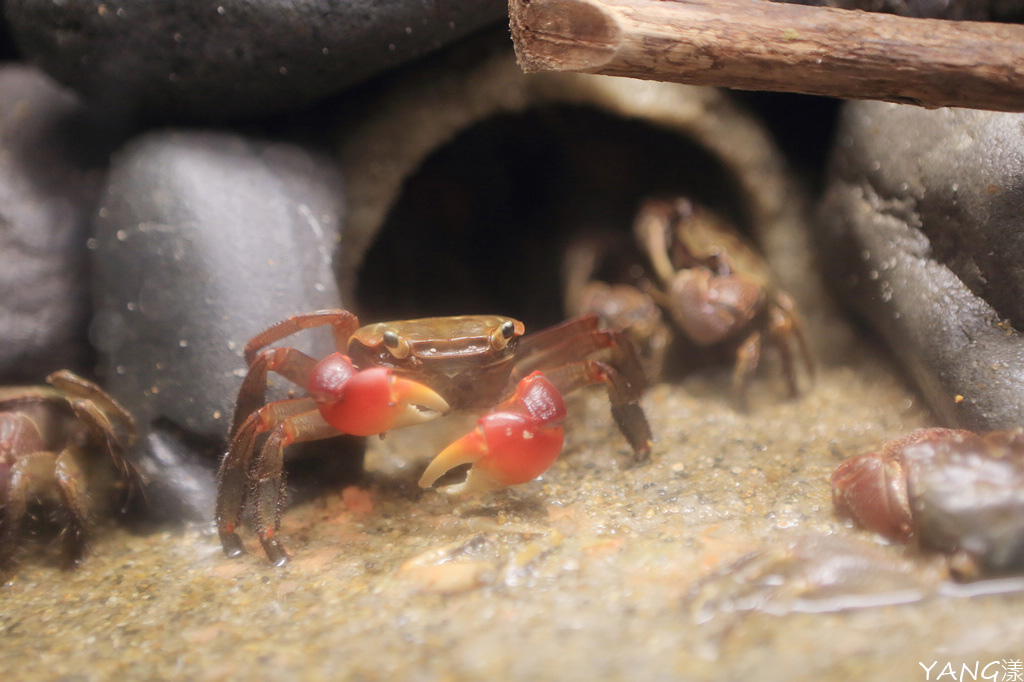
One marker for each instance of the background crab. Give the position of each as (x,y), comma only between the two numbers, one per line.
(394,374)
(957,492)
(63,447)
(703,276)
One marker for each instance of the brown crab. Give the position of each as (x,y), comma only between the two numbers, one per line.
(60,446)
(711,284)
(394,374)
(957,492)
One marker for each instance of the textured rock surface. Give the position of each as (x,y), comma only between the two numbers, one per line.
(202,240)
(921,229)
(52,154)
(235,58)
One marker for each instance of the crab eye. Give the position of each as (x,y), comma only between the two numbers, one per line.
(503,334)
(396,345)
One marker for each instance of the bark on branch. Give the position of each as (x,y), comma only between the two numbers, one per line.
(760,45)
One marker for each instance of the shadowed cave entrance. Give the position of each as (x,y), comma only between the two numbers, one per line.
(482,225)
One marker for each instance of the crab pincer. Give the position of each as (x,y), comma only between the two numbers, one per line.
(513,444)
(371,401)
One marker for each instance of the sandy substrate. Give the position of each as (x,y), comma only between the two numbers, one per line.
(720,559)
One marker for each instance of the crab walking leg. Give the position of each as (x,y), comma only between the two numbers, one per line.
(609,344)
(748,356)
(515,443)
(292,364)
(232,484)
(341,322)
(626,410)
(13,397)
(269,476)
(107,412)
(71,486)
(116,443)
(33,472)
(786,328)
(651,230)
(548,337)
(622,374)
(343,401)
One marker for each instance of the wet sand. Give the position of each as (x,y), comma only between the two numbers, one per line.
(598,571)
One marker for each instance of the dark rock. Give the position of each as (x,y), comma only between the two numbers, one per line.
(202,240)
(921,231)
(52,155)
(235,58)
(6,44)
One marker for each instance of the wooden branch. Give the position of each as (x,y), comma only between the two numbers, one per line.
(760,45)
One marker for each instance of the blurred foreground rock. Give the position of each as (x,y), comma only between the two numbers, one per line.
(202,240)
(52,157)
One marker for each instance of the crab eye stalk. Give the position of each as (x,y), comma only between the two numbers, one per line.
(501,335)
(396,345)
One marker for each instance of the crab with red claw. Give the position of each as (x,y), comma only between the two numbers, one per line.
(391,375)
(954,491)
(63,446)
(708,280)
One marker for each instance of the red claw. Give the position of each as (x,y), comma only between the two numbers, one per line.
(871,489)
(514,444)
(371,401)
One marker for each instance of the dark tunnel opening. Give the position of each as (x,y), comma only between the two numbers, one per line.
(482,225)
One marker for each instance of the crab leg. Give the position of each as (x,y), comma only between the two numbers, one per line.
(231,478)
(578,338)
(34,471)
(341,322)
(288,362)
(342,401)
(104,411)
(621,374)
(116,442)
(626,410)
(292,364)
(18,433)
(515,443)
(269,476)
(71,486)
(748,356)
(785,328)
(549,336)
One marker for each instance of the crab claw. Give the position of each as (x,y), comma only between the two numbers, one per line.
(371,401)
(514,444)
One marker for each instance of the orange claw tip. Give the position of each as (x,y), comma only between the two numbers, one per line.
(418,403)
(505,449)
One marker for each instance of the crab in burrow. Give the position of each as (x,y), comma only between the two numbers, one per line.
(395,374)
(957,492)
(706,278)
(62,447)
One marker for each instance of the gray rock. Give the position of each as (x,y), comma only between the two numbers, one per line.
(234,58)
(921,233)
(202,240)
(52,155)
